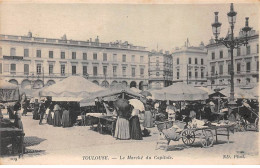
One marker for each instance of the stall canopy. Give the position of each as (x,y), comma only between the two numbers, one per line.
(8,92)
(210,91)
(239,93)
(73,86)
(180,92)
(111,94)
(30,92)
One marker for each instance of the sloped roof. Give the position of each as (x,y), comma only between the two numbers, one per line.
(108,93)
(180,92)
(73,86)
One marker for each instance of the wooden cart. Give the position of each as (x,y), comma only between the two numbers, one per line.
(205,134)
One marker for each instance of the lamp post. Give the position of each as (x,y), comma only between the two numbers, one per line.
(231,42)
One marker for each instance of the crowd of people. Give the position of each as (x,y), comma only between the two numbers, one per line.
(58,114)
(130,120)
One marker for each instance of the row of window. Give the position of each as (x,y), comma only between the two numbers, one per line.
(39,70)
(248,51)
(190,74)
(163,73)
(238,81)
(238,68)
(190,61)
(74,55)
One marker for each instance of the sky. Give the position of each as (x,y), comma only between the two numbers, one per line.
(165,25)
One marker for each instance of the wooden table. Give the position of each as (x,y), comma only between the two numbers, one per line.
(11,135)
(102,121)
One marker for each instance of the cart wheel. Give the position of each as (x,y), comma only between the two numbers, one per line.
(206,138)
(257,124)
(188,137)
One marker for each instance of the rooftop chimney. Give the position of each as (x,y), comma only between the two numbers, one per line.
(29,34)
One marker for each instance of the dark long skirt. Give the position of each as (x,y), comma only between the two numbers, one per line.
(57,119)
(135,128)
(65,118)
(36,115)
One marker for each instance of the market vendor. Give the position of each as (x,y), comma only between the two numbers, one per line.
(110,111)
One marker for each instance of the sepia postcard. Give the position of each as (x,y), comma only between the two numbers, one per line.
(120,82)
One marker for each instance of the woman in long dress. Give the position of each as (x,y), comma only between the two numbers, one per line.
(35,110)
(65,118)
(122,124)
(148,117)
(135,128)
(57,116)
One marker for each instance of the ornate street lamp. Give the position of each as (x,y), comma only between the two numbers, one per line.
(231,42)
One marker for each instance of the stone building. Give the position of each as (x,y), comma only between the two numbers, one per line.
(34,62)
(160,69)
(190,64)
(246,63)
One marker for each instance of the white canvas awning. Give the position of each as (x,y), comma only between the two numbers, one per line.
(180,92)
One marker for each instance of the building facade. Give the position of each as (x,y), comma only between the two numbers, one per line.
(246,63)
(190,65)
(160,69)
(34,62)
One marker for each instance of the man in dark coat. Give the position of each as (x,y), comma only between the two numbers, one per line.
(41,112)
(35,111)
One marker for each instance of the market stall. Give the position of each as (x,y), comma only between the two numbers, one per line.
(105,120)
(9,93)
